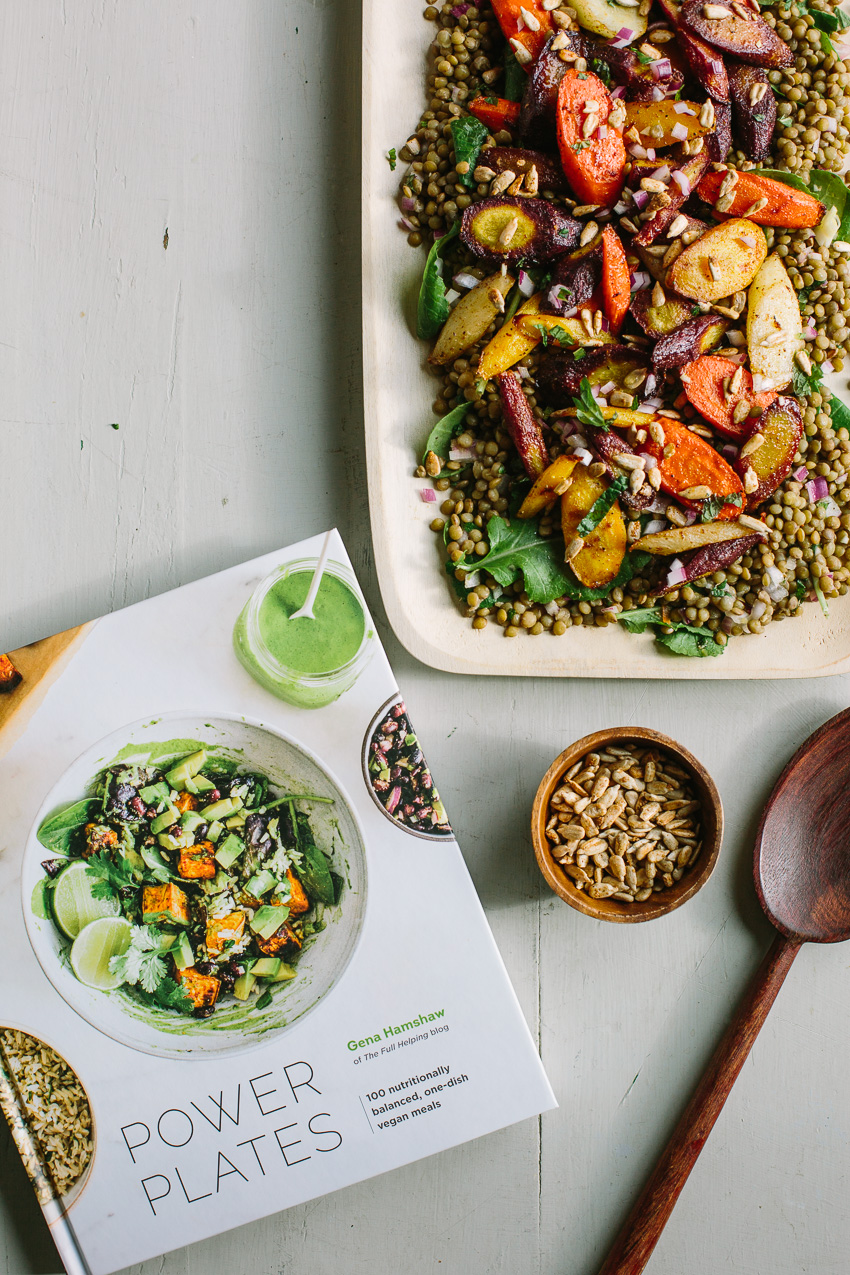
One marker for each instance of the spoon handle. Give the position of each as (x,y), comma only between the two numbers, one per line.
(642,1229)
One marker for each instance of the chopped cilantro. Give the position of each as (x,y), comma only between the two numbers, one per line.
(109,876)
(799,590)
(391,160)
(579,353)
(579,146)
(588,410)
(803,384)
(142,963)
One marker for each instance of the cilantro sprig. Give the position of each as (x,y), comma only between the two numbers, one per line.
(588,410)
(142,963)
(109,875)
(712,505)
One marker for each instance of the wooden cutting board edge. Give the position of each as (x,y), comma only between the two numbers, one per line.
(40,664)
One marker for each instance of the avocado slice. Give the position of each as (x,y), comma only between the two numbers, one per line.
(223,808)
(267,920)
(182,952)
(267,967)
(187,768)
(260,884)
(229,850)
(244,984)
(165,820)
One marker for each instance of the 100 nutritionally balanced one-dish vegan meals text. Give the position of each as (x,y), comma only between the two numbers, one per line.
(638,275)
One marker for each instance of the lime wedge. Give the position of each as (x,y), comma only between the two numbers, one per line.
(74,906)
(93,949)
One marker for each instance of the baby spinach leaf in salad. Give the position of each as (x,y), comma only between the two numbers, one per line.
(57,831)
(519,547)
(433,308)
(468,135)
(444,431)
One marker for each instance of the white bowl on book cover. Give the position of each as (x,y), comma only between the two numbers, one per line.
(235,1025)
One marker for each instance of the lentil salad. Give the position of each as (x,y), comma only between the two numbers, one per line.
(776,544)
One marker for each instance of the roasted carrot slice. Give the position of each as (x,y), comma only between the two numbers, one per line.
(517,31)
(594,164)
(495,112)
(551,484)
(616,281)
(522,425)
(687,461)
(786,206)
(708,383)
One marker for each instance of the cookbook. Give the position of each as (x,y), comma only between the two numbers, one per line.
(250,966)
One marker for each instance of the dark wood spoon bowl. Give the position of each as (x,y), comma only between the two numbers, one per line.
(802,878)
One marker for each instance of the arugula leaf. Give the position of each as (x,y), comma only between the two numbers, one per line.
(433,308)
(445,429)
(600,507)
(315,873)
(685,639)
(588,410)
(712,505)
(515,81)
(803,384)
(840,413)
(827,187)
(468,135)
(109,876)
(519,547)
(57,830)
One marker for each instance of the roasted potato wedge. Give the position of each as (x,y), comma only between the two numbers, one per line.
(780,428)
(653,262)
(546,489)
(773,324)
(752,122)
(726,258)
(471,318)
(599,561)
(655,122)
(694,337)
(749,39)
(507,228)
(676,540)
(510,344)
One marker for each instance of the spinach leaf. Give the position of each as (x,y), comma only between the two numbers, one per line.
(519,547)
(433,308)
(468,135)
(601,70)
(57,830)
(840,413)
(827,187)
(515,81)
(315,874)
(588,410)
(445,429)
(600,507)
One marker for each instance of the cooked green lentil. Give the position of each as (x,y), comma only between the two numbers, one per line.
(810,549)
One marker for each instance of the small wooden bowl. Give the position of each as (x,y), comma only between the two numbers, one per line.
(665,900)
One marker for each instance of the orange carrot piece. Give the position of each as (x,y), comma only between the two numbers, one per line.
(703,383)
(594,166)
(616,280)
(786,206)
(514,27)
(496,112)
(693,462)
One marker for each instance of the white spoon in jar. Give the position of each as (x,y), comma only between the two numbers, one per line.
(306,611)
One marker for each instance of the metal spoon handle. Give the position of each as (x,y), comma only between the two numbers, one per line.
(642,1229)
(307,608)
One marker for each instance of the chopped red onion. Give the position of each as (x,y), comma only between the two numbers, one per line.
(602,131)
(619,91)
(682,182)
(525,283)
(607,387)
(775,576)
(407,203)
(654,524)
(736,338)
(578,441)
(649,385)
(809,332)
(473,579)
(463,280)
(641,198)
(662,174)
(677,574)
(682,108)
(606,326)
(680,132)
(801,474)
(636,151)
(827,367)
(729,451)
(460,9)
(452,295)
(748,240)
(583,455)
(829,507)
(427,494)
(523,373)
(828,124)
(405,224)
(649,461)
(555,295)
(727,623)
(690,517)
(551,608)
(657,94)
(757,610)
(650,153)
(661,69)
(571,314)
(641,279)
(623,37)
(456,452)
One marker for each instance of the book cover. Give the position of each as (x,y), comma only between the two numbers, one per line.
(248,965)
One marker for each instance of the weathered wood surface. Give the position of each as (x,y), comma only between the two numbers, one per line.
(231,362)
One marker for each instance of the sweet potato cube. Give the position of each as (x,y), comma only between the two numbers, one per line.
(202,989)
(197,862)
(225,929)
(165,903)
(278,942)
(186,801)
(9,675)
(99,837)
(298,901)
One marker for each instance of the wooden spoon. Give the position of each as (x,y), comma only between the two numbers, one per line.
(802,877)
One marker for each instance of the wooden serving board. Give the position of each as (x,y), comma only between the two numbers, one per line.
(39,664)
(398,394)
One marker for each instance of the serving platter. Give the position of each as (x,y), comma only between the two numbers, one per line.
(398,392)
